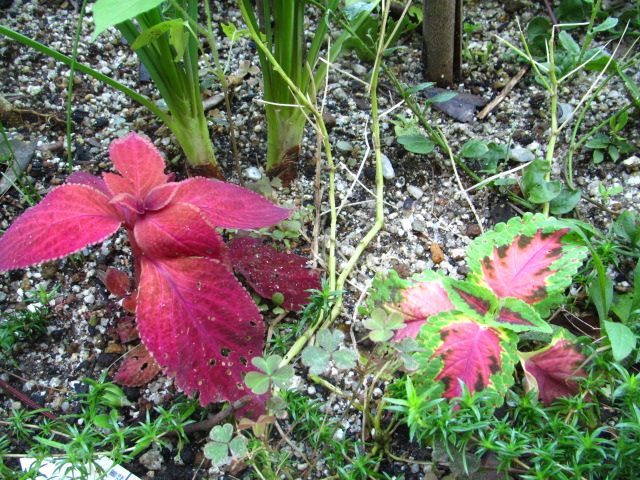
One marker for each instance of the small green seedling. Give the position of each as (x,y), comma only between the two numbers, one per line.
(328,348)
(223,446)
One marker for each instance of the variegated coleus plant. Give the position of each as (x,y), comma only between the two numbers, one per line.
(192,314)
(469,330)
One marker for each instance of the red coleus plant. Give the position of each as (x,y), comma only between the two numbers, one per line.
(469,329)
(193,316)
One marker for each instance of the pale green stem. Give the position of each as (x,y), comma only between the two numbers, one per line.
(297,347)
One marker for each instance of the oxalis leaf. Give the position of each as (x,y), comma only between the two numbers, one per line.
(383,324)
(271,373)
(551,369)
(222,447)
(459,348)
(317,357)
(531,258)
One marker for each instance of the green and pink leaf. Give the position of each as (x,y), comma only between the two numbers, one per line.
(460,348)
(532,258)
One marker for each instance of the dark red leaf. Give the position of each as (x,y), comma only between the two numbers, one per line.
(552,369)
(117,282)
(269,271)
(200,325)
(127,329)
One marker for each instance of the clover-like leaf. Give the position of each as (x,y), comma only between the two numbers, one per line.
(271,374)
(383,324)
(344,359)
(317,357)
(222,447)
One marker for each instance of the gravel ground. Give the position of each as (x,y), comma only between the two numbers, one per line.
(428,222)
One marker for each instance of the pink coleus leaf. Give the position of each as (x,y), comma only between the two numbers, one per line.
(269,271)
(460,348)
(178,230)
(552,370)
(532,258)
(138,161)
(199,324)
(138,368)
(69,218)
(117,184)
(84,178)
(116,281)
(229,206)
(160,196)
(426,298)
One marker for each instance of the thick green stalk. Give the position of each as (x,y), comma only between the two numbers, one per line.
(179,86)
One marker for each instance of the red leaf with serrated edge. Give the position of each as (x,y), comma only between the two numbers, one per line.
(199,324)
(160,196)
(269,271)
(520,269)
(551,370)
(117,184)
(471,352)
(138,368)
(68,219)
(178,230)
(420,302)
(229,206)
(116,281)
(138,161)
(127,329)
(84,178)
